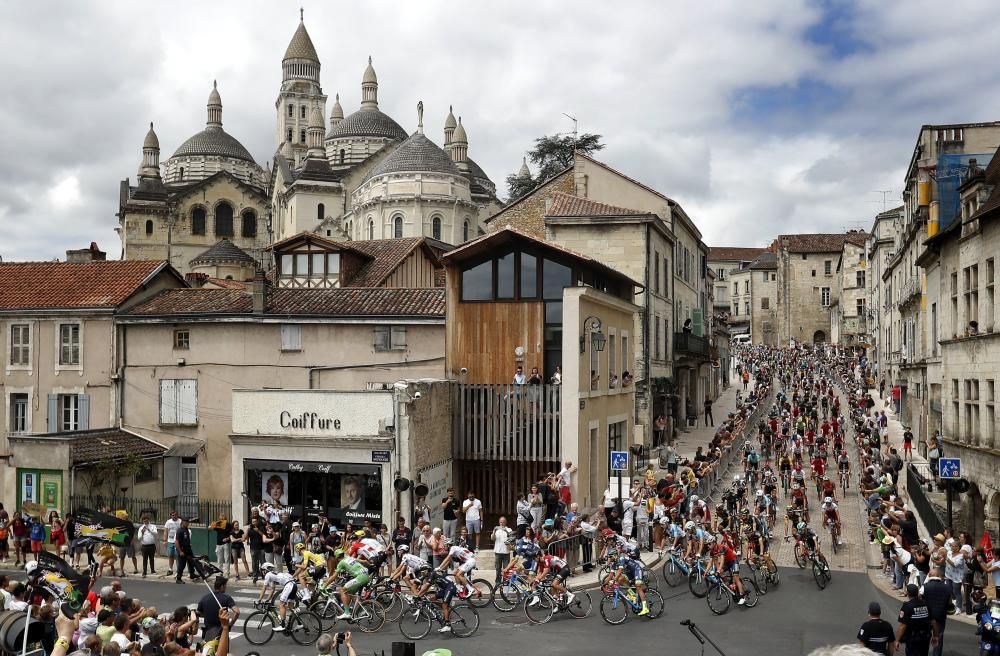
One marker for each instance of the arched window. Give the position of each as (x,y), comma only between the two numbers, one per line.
(341,155)
(371,229)
(465,230)
(302,114)
(198,221)
(223,220)
(149,227)
(320,212)
(397,227)
(436,227)
(248,225)
(182,173)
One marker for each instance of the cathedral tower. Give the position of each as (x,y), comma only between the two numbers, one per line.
(300,93)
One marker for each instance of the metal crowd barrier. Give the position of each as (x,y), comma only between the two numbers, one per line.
(577,550)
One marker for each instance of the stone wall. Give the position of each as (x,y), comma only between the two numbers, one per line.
(801,278)
(528,215)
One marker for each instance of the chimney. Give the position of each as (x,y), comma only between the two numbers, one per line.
(258,288)
(91,254)
(196,280)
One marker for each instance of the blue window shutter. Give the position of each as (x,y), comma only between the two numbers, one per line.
(53,426)
(84,416)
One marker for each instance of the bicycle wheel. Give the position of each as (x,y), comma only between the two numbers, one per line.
(581,606)
(368,615)
(506,597)
(833,539)
(760,578)
(415,623)
(801,559)
(654,601)
(614,609)
(819,575)
(392,604)
(718,599)
(464,620)
(257,628)
(305,627)
(750,592)
(481,595)
(539,608)
(698,584)
(673,574)
(649,578)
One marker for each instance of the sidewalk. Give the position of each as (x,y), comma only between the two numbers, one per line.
(689,440)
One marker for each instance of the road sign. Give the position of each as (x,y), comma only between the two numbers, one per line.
(950,468)
(619,460)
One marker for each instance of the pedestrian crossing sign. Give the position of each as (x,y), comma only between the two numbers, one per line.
(950,468)
(619,460)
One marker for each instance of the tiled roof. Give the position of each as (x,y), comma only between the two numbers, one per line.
(387,254)
(112,444)
(214,141)
(64,285)
(223,251)
(367,123)
(343,302)
(225,283)
(570,205)
(820,242)
(416,154)
(301,46)
(765,260)
(317,169)
(733,253)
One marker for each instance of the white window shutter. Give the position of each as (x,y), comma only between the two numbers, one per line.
(83,418)
(168,402)
(398,338)
(187,402)
(53,414)
(291,337)
(381,338)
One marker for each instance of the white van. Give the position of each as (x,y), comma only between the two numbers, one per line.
(742,339)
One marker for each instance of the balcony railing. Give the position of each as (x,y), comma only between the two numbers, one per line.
(508,422)
(909,291)
(854,325)
(690,344)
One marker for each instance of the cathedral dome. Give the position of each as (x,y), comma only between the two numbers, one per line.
(367,123)
(418,154)
(213,141)
(301,46)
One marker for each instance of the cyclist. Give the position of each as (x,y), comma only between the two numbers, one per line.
(357,574)
(629,572)
(831,514)
(828,487)
(446,591)
(727,561)
(809,538)
(696,537)
(844,465)
(466,561)
(560,571)
(274,581)
(367,550)
(410,568)
(312,568)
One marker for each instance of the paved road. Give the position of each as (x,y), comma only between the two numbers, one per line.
(793,620)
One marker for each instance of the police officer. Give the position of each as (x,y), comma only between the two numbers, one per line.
(915,627)
(876,634)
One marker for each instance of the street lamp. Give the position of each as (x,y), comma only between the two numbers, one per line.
(597,338)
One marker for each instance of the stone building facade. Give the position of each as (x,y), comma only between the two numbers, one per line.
(849,312)
(881,239)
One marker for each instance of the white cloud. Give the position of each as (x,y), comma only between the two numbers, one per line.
(65,194)
(666,83)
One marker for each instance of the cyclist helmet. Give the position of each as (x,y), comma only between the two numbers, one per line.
(694,498)
(339,553)
(359,534)
(299,546)
(402,549)
(843,452)
(795,486)
(801,526)
(689,526)
(760,493)
(267,567)
(828,500)
(30,567)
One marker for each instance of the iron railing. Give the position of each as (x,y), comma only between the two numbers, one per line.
(916,488)
(690,344)
(199,512)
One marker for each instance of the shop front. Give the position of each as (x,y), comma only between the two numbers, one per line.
(313,451)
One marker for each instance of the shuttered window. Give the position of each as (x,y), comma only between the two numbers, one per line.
(20,344)
(390,338)
(178,402)
(69,344)
(68,412)
(291,337)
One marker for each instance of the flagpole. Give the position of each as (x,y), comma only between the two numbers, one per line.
(27,621)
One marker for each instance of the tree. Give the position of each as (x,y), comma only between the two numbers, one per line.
(551,155)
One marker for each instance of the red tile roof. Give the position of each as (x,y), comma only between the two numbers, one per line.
(733,253)
(226,283)
(387,255)
(111,444)
(820,242)
(64,285)
(570,205)
(342,302)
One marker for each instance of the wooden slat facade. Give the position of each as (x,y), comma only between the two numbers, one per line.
(497,485)
(416,271)
(482,337)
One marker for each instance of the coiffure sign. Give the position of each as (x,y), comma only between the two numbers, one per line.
(311,413)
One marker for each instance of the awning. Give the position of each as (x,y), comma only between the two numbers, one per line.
(109,444)
(185,449)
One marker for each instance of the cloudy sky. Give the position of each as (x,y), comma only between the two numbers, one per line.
(758,117)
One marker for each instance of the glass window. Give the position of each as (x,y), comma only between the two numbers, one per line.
(505,276)
(69,344)
(554,313)
(477,282)
(436,227)
(318,260)
(397,227)
(302,264)
(286,265)
(529,276)
(555,277)
(198,221)
(333,264)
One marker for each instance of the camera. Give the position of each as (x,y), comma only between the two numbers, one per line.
(340,638)
(417,395)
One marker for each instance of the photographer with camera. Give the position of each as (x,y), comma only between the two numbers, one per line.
(327,645)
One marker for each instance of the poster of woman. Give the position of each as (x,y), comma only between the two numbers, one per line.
(274,488)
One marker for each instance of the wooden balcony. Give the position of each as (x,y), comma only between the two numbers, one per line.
(508,423)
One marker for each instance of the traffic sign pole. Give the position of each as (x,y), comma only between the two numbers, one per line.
(947,492)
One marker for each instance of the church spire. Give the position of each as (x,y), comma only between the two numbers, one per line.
(449,127)
(337,113)
(214,107)
(150,155)
(525,172)
(460,147)
(369,87)
(300,60)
